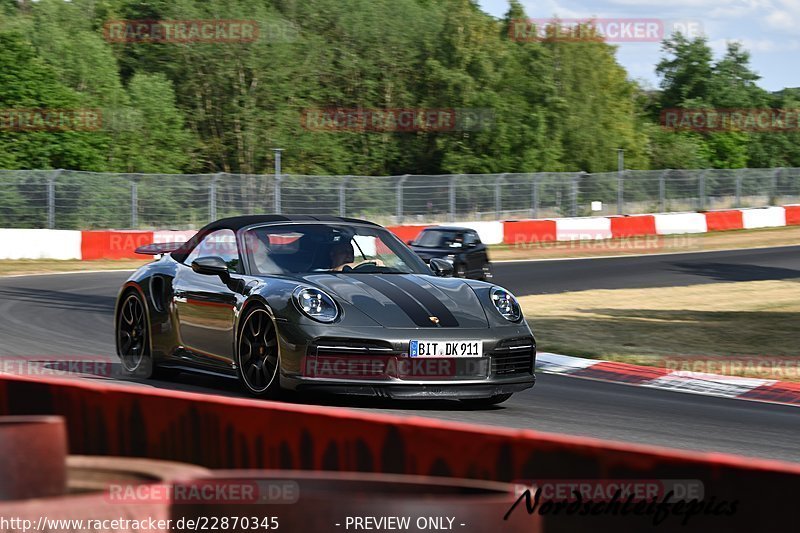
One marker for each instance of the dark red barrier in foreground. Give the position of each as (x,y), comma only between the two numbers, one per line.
(219,432)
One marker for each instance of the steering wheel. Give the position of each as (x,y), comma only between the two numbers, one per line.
(365,263)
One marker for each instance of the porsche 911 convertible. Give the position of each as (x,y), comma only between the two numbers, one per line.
(324,303)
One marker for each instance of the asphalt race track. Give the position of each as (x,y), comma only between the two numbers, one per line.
(57,315)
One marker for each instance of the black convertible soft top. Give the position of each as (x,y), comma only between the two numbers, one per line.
(237,223)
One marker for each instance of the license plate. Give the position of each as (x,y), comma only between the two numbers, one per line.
(445,349)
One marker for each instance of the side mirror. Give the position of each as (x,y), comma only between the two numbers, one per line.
(441,268)
(211,266)
(410,243)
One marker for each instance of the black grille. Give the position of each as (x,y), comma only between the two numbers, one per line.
(514,356)
(337,347)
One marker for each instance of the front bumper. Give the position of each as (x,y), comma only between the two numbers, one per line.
(357,363)
(416,390)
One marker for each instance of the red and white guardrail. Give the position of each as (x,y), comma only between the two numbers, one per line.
(119,244)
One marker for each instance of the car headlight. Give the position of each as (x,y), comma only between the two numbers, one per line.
(506,304)
(316,304)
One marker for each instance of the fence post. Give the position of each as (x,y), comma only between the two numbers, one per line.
(701,191)
(498,202)
(773,200)
(621,193)
(574,195)
(535,197)
(278,180)
(134,204)
(343,197)
(212,197)
(662,191)
(453,198)
(738,190)
(399,194)
(51,199)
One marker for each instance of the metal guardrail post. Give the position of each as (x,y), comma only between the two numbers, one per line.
(134,204)
(535,197)
(452,192)
(51,198)
(343,196)
(212,197)
(662,191)
(399,194)
(621,193)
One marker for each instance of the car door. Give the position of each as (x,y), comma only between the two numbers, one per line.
(205,305)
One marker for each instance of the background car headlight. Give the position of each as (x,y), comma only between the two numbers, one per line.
(316,304)
(506,304)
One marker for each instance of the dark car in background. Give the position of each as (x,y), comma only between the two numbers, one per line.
(460,246)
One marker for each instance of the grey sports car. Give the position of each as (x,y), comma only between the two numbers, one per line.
(324,303)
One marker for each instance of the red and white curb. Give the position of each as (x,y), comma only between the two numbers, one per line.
(120,244)
(763,390)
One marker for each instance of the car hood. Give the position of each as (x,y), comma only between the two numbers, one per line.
(406,300)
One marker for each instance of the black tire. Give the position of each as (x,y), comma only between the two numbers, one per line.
(133,337)
(257,355)
(487,402)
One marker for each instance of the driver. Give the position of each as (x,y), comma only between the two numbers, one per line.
(343,257)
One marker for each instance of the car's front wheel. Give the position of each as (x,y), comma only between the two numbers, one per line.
(257,355)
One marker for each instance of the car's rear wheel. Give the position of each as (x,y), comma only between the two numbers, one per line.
(257,354)
(486,402)
(133,337)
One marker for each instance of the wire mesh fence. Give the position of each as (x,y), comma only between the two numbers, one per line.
(64,199)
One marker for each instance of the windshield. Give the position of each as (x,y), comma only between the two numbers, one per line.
(439,239)
(307,248)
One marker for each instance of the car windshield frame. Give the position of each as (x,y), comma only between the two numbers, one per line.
(410,262)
